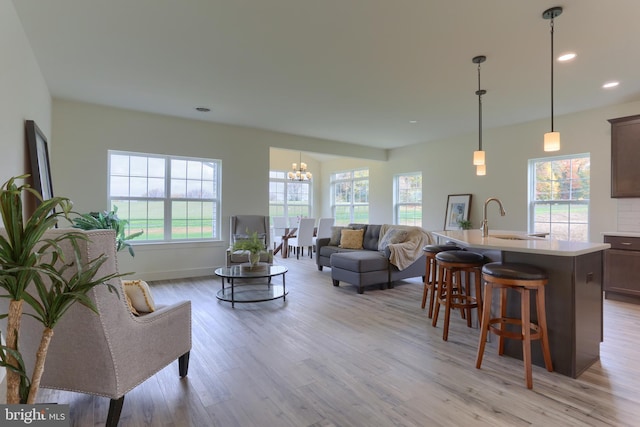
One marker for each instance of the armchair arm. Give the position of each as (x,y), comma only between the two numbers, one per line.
(323,241)
(154,340)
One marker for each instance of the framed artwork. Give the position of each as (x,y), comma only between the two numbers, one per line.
(39,156)
(458,207)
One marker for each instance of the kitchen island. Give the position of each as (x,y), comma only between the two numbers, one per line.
(573,294)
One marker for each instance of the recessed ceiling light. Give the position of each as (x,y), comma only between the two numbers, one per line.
(413,122)
(203,109)
(609,85)
(566,57)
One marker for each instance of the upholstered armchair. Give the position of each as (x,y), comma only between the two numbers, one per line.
(111,352)
(242,226)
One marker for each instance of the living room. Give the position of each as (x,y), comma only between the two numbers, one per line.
(80,134)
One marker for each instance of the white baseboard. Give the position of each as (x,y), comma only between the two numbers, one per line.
(171,274)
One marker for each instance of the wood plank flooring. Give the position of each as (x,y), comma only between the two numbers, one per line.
(329,357)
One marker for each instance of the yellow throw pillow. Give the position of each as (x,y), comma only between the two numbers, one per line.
(140,295)
(351,239)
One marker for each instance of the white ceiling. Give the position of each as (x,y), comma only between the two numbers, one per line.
(349,70)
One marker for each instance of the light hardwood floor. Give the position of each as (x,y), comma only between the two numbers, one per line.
(330,357)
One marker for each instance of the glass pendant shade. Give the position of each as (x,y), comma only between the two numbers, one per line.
(478,157)
(552,141)
(481,170)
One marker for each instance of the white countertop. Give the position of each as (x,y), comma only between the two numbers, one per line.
(513,243)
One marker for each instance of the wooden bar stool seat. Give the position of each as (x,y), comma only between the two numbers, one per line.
(521,278)
(452,291)
(430,277)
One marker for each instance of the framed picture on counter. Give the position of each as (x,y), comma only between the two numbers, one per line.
(458,207)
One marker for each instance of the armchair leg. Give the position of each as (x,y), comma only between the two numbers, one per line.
(183,364)
(115,408)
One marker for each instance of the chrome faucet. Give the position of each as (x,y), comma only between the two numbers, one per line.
(485,227)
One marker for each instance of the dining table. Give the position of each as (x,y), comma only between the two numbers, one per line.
(289,233)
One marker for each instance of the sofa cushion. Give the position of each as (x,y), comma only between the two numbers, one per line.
(351,239)
(336,232)
(392,236)
(360,261)
(371,237)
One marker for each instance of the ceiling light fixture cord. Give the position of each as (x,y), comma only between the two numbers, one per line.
(480,92)
(552,30)
(479,155)
(552,139)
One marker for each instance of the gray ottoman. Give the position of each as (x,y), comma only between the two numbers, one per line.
(361,268)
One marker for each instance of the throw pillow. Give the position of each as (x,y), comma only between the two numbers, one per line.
(140,295)
(392,236)
(131,308)
(336,232)
(351,239)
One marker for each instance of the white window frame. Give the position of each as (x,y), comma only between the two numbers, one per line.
(415,203)
(569,203)
(166,198)
(276,176)
(351,179)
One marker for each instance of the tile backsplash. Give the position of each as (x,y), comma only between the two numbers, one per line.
(629,215)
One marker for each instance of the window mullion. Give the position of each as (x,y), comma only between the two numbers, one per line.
(167,200)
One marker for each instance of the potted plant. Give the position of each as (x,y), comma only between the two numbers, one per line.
(108,220)
(465,224)
(254,244)
(31,271)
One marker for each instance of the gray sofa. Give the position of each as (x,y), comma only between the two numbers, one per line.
(369,265)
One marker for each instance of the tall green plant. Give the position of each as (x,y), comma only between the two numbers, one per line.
(108,220)
(26,257)
(18,257)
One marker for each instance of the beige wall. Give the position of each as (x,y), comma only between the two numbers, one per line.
(446,168)
(83,133)
(23,94)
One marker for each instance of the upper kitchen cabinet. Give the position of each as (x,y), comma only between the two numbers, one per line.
(625,156)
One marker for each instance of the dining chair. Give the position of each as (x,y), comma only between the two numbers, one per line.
(304,236)
(324,229)
(279,227)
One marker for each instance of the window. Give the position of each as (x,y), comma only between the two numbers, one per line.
(170,198)
(350,196)
(559,197)
(407,196)
(288,198)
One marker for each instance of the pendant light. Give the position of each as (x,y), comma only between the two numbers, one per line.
(552,139)
(479,155)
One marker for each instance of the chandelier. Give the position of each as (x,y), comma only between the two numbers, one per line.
(299,173)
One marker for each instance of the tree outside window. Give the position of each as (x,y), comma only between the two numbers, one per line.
(350,196)
(408,199)
(559,195)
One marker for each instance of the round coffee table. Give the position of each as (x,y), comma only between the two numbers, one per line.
(249,290)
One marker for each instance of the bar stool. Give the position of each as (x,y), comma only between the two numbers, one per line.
(451,291)
(522,278)
(431,277)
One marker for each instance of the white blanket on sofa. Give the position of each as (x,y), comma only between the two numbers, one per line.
(406,253)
